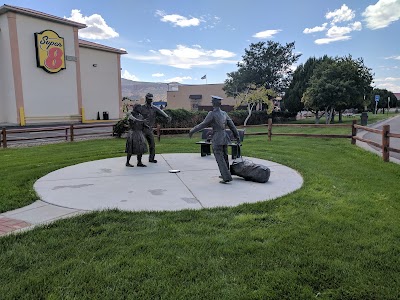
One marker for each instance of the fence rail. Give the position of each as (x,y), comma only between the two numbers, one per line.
(271,125)
(384,133)
(70,132)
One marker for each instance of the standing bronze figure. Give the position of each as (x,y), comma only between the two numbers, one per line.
(135,140)
(149,112)
(218,120)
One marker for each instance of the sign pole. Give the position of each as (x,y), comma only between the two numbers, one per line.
(376,103)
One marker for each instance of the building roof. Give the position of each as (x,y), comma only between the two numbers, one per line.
(37,14)
(91,45)
(397,95)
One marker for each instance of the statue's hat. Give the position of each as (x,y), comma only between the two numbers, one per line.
(216,98)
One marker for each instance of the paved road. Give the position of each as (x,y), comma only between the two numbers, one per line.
(394,142)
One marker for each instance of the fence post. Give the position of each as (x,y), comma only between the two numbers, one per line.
(353,132)
(71,132)
(159,132)
(4,134)
(66,134)
(269,129)
(385,142)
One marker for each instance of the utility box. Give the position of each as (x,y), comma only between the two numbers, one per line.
(105,115)
(364,118)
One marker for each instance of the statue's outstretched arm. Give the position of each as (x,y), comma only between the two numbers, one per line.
(207,121)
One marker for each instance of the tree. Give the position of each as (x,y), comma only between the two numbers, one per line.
(300,82)
(337,84)
(264,64)
(253,96)
(235,84)
(359,78)
(383,99)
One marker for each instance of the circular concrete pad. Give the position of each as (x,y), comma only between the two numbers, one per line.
(108,183)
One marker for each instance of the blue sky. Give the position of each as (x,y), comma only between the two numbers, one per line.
(183,40)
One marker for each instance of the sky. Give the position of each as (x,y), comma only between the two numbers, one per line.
(185,41)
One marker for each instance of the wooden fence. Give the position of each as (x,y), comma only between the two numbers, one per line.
(270,125)
(72,131)
(61,132)
(384,133)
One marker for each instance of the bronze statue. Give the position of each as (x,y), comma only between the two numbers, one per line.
(218,120)
(135,140)
(149,112)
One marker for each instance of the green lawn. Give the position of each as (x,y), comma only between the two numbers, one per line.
(335,238)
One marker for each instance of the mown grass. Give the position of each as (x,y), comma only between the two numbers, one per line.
(335,238)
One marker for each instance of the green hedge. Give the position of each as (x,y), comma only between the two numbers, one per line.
(182,118)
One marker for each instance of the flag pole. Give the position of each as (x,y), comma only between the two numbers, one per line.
(204,77)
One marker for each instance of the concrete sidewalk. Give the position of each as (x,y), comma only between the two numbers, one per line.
(108,184)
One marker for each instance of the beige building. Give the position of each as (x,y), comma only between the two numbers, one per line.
(47,74)
(197,97)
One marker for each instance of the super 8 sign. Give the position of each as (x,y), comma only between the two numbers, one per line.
(50,51)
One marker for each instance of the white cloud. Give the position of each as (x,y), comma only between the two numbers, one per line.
(332,39)
(382,14)
(127,75)
(389,68)
(178,20)
(183,52)
(315,29)
(336,31)
(97,28)
(158,75)
(356,26)
(387,79)
(222,54)
(178,79)
(266,34)
(393,57)
(210,21)
(392,87)
(184,57)
(342,14)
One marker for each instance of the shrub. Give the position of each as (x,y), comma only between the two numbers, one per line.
(182,118)
(120,127)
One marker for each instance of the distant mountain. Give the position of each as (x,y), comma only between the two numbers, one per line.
(136,90)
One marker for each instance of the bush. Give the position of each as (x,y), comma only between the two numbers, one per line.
(260,117)
(238,116)
(182,118)
(120,127)
(283,116)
